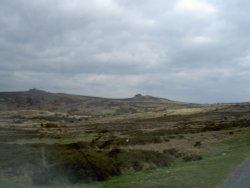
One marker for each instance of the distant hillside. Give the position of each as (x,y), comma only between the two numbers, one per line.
(35,99)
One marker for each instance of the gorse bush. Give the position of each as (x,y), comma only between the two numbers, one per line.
(89,166)
(192,157)
(86,165)
(137,159)
(76,162)
(173,152)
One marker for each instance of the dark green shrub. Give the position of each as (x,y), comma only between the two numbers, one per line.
(157,158)
(166,139)
(137,165)
(78,145)
(192,157)
(114,152)
(198,144)
(50,125)
(172,151)
(88,166)
(136,159)
(76,162)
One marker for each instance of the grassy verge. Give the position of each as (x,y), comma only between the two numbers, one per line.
(218,161)
(207,173)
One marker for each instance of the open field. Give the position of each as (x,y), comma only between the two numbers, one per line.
(221,152)
(180,146)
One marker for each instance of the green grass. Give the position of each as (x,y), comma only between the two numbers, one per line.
(215,167)
(150,118)
(206,174)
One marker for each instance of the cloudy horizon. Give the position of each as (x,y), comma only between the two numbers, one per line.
(188,50)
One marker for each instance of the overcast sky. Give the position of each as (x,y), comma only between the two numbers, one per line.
(189,50)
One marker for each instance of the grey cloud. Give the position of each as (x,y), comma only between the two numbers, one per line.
(187,49)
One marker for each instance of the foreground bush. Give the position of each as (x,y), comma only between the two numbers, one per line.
(76,162)
(192,157)
(87,165)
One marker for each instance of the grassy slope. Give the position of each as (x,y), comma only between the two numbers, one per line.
(220,156)
(207,173)
(218,162)
(83,105)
